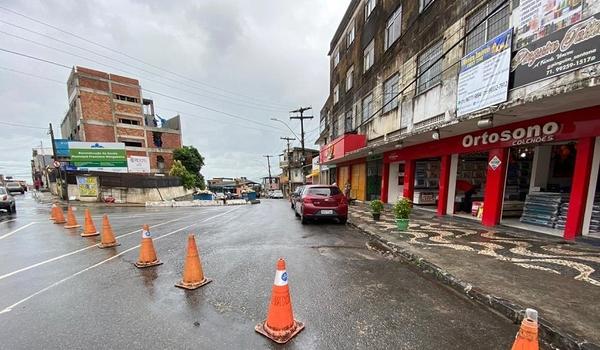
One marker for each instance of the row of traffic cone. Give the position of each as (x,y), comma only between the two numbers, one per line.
(89,228)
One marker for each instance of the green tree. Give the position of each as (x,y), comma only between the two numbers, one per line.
(193,162)
(188,179)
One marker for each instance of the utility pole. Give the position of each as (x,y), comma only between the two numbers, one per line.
(301,117)
(269,165)
(63,189)
(288,139)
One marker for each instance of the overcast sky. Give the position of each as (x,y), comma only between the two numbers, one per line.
(253,59)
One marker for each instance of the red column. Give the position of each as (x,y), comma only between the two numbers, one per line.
(385,182)
(409,179)
(579,187)
(443,185)
(494,188)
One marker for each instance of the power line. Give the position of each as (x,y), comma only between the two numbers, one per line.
(22,125)
(119,69)
(151,91)
(32,75)
(128,56)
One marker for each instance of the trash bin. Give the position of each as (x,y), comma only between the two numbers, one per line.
(251,196)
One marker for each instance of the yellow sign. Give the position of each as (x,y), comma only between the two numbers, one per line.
(88,186)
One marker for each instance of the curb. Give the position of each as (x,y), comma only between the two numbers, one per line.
(549,334)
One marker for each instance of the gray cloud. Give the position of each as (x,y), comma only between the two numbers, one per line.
(273,51)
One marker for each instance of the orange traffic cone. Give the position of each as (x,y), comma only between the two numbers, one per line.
(107,237)
(147,253)
(89,229)
(527,338)
(59,216)
(193,276)
(53,211)
(71,220)
(280,325)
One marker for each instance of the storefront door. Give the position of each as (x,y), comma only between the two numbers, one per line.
(374,169)
(358,181)
(342,176)
(396,182)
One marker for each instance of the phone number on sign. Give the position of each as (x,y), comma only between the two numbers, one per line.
(571,65)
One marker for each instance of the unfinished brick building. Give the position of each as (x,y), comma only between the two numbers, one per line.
(105,107)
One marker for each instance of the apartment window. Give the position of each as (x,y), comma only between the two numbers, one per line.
(350,35)
(336,94)
(369,6)
(367,108)
(423,4)
(488,29)
(336,57)
(348,122)
(390,92)
(349,78)
(129,121)
(430,67)
(126,98)
(160,162)
(130,143)
(334,128)
(393,28)
(157,139)
(369,56)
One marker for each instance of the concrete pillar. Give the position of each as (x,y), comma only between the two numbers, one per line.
(494,188)
(385,182)
(452,184)
(409,179)
(443,185)
(579,187)
(592,188)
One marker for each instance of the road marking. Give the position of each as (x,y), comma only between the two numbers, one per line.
(17,230)
(11,220)
(9,308)
(80,250)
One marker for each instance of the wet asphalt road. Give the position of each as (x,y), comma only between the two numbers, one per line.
(58,291)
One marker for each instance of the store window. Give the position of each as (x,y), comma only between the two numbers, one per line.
(488,29)
(427,179)
(374,168)
(470,184)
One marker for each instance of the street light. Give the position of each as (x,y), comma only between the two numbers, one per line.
(286,125)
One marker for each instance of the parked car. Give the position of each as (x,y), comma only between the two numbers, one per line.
(14,187)
(295,196)
(321,201)
(7,202)
(277,194)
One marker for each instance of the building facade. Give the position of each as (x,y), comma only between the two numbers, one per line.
(105,107)
(294,167)
(483,109)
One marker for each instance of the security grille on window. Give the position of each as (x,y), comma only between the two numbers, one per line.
(424,4)
(393,28)
(488,29)
(349,78)
(336,94)
(350,35)
(369,6)
(334,128)
(369,56)
(367,107)
(430,67)
(390,93)
(348,122)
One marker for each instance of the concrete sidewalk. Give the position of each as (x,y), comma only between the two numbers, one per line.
(507,270)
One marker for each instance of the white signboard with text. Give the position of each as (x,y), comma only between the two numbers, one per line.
(484,73)
(138,164)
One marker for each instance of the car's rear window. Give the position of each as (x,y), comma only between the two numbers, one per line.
(2,190)
(323,191)
(13,184)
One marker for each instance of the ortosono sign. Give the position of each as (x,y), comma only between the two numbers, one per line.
(519,136)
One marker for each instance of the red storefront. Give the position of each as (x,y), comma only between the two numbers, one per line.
(559,153)
(349,168)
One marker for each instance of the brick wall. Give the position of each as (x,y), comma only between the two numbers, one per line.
(93,84)
(135,153)
(169,140)
(95,106)
(122,79)
(166,155)
(99,133)
(126,108)
(130,132)
(125,90)
(92,72)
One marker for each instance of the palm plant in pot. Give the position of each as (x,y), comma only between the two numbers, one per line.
(402,210)
(376,209)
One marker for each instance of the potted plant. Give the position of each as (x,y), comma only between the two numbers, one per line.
(402,210)
(376,208)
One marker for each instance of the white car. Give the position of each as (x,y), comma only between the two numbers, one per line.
(276,194)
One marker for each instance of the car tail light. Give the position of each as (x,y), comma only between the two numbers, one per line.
(5,197)
(307,200)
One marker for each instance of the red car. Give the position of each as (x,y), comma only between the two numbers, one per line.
(321,201)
